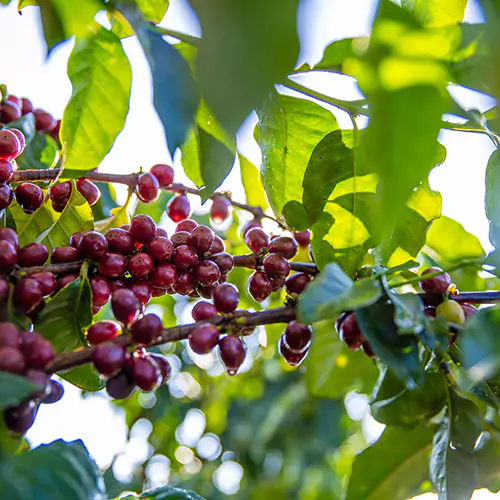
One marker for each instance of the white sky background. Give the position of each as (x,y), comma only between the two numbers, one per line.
(26,72)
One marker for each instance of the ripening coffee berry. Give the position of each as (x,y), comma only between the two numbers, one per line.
(26,106)
(293,358)
(206,291)
(163,173)
(67,279)
(180,238)
(38,354)
(112,265)
(12,360)
(10,336)
(40,378)
(140,265)
(438,284)
(29,196)
(109,358)
(148,187)
(217,246)
(47,281)
(54,133)
(20,137)
(256,240)
(141,289)
(186,225)
(6,195)
(232,352)
(160,248)
(102,331)
(9,145)
(219,211)
(94,246)
(18,419)
(55,393)
(297,336)
(117,284)
(367,349)
(226,298)
(303,238)
(14,99)
(33,254)
(178,208)
(60,193)
(27,294)
(159,231)
(451,311)
(184,258)
(206,273)
(75,239)
(284,245)
(88,190)
(185,284)
(146,329)
(164,366)
(164,276)
(469,311)
(120,241)
(8,257)
(64,254)
(350,332)
(142,228)
(7,169)
(145,372)
(297,283)
(121,386)
(9,111)
(204,338)
(4,290)
(201,239)
(7,234)
(259,286)
(44,122)
(276,266)
(203,310)
(125,306)
(101,291)
(224,261)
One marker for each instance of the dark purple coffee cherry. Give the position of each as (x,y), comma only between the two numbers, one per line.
(47,281)
(10,336)
(33,254)
(250,225)
(438,284)
(142,228)
(180,238)
(276,266)
(120,241)
(220,209)
(125,306)
(164,366)
(55,393)
(44,122)
(27,294)
(148,187)
(94,246)
(184,258)
(204,338)
(18,419)
(293,358)
(203,310)
(140,265)
(201,239)
(4,290)
(303,238)
(159,231)
(39,353)
(259,286)
(112,265)
(10,146)
(64,254)
(226,298)
(60,194)
(350,333)
(297,336)
(26,106)
(224,261)
(12,360)
(67,279)
(206,291)
(367,349)
(6,195)
(185,284)
(257,240)
(284,245)
(145,372)
(121,386)
(186,225)
(88,190)
(7,234)
(109,358)
(178,208)
(9,111)
(297,283)
(141,289)
(7,169)
(164,276)
(277,284)
(160,248)
(232,352)
(217,246)
(164,174)
(469,311)
(146,329)
(206,273)
(102,331)
(8,257)
(40,378)
(101,291)
(29,196)
(75,239)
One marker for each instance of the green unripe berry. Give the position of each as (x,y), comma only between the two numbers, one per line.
(452,311)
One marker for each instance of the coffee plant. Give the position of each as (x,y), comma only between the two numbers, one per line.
(337,274)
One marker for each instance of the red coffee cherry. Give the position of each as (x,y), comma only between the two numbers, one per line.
(140,265)
(125,306)
(180,238)
(44,122)
(141,289)
(224,261)
(206,273)
(159,292)
(146,329)
(185,284)
(303,238)
(4,290)
(148,187)
(112,265)
(142,228)
(55,393)
(10,336)
(160,248)
(7,234)
(88,190)
(54,133)
(217,246)
(18,419)
(101,291)
(145,372)
(67,279)
(220,209)
(164,174)
(164,366)
(60,194)
(204,338)
(250,225)
(26,106)
(27,294)
(297,336)
(259,286)
(232,352)
(164,276)
(293,358)
(297,283)
(29,196)
(277,284)
(178,208)
(367,349)
(201,239)
(33,254)
(9,145)
(186,225)
(438,284)
(8,257)
(203,310)
(63,254)
(9,111)
(109,358)
(117,284)
(6,195)
(350,333)
(14,99)
(469,311)
(102,331)
(206,291)
(46,280)
(226,298)
(12,360)
(7,169)
(120,240)
(276,265)
(121,386)
(184,258)
(75,239)
(94,246)
(284,245)
(20,137)
(39,353)
(256,240)
(159,231)
(41,379)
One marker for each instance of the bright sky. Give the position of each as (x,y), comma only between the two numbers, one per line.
(27,73)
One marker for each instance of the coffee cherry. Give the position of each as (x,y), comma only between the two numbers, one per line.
(297,283)
(120,241)
(94,245)
(217,246)
(60,193)
(109,357)
(303,238)
(10,336)
(430,311)
(259,286)
(55,393)
(12,360)
(146,329)
(145,372)
(204,338)
(88,190)
(203,310)
(160,248)
(451,311)
(102,331)
(125,306)
(186,225)
(75,239)
(121,386)
(112,265)
(164,174)
(14,99)
(256,240)
(219,211)
(159,231)
(148,187)
(297,336)
(40,378)
(164,276)
(66,280)
(44,122)
(8,257)
(350,333)
(46,280)
(9,111)
(250,225)
(284,245)
(101,291)
(7,234)
(178,208)
(141,289)
(185,284)
(54,133)
(164,366)
(224,261)
(277,284)
(18,419)
(27,294)
(29,196)
(226,298)
(4,290)
(26,106)
(6,195)
(64,254)
(117,284)
(20,137)
(184,258)
(367,349)
(206,291)
(206,273)
(438,284)
(201,238)
(232,353)
(159,292)
(276,266)
(180,238)
(9,145)
(293,358)
(142,228)
(38,353)
(140,265)
(33,254)
(469,311)
(7,169)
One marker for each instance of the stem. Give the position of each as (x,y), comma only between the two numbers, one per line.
(183,37)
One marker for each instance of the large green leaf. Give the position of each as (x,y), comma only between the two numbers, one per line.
(237,69)
(58,471)
(394,467)
(40,154)
(101,76)
(153,10)
(437,12)
(287,132)
(453,465)
(333,292)
(487,455)
(335,54)
(170,493)
(492,206)
(252,185)
(14,389)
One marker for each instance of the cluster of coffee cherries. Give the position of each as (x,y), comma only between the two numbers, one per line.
(28,354)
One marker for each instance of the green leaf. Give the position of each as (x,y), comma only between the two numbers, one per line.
(154,210)
(287,132)
(492,206)
(56,471)
(335,54)
(393,467)
(101,76)
(40,154)
(170,493)
(488,471)
(26,124)
(14,389)
(437,13)
(453,465)
(252,184)
(333,292)
(332,369)
(235,77)
(296,216)
(153,10)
